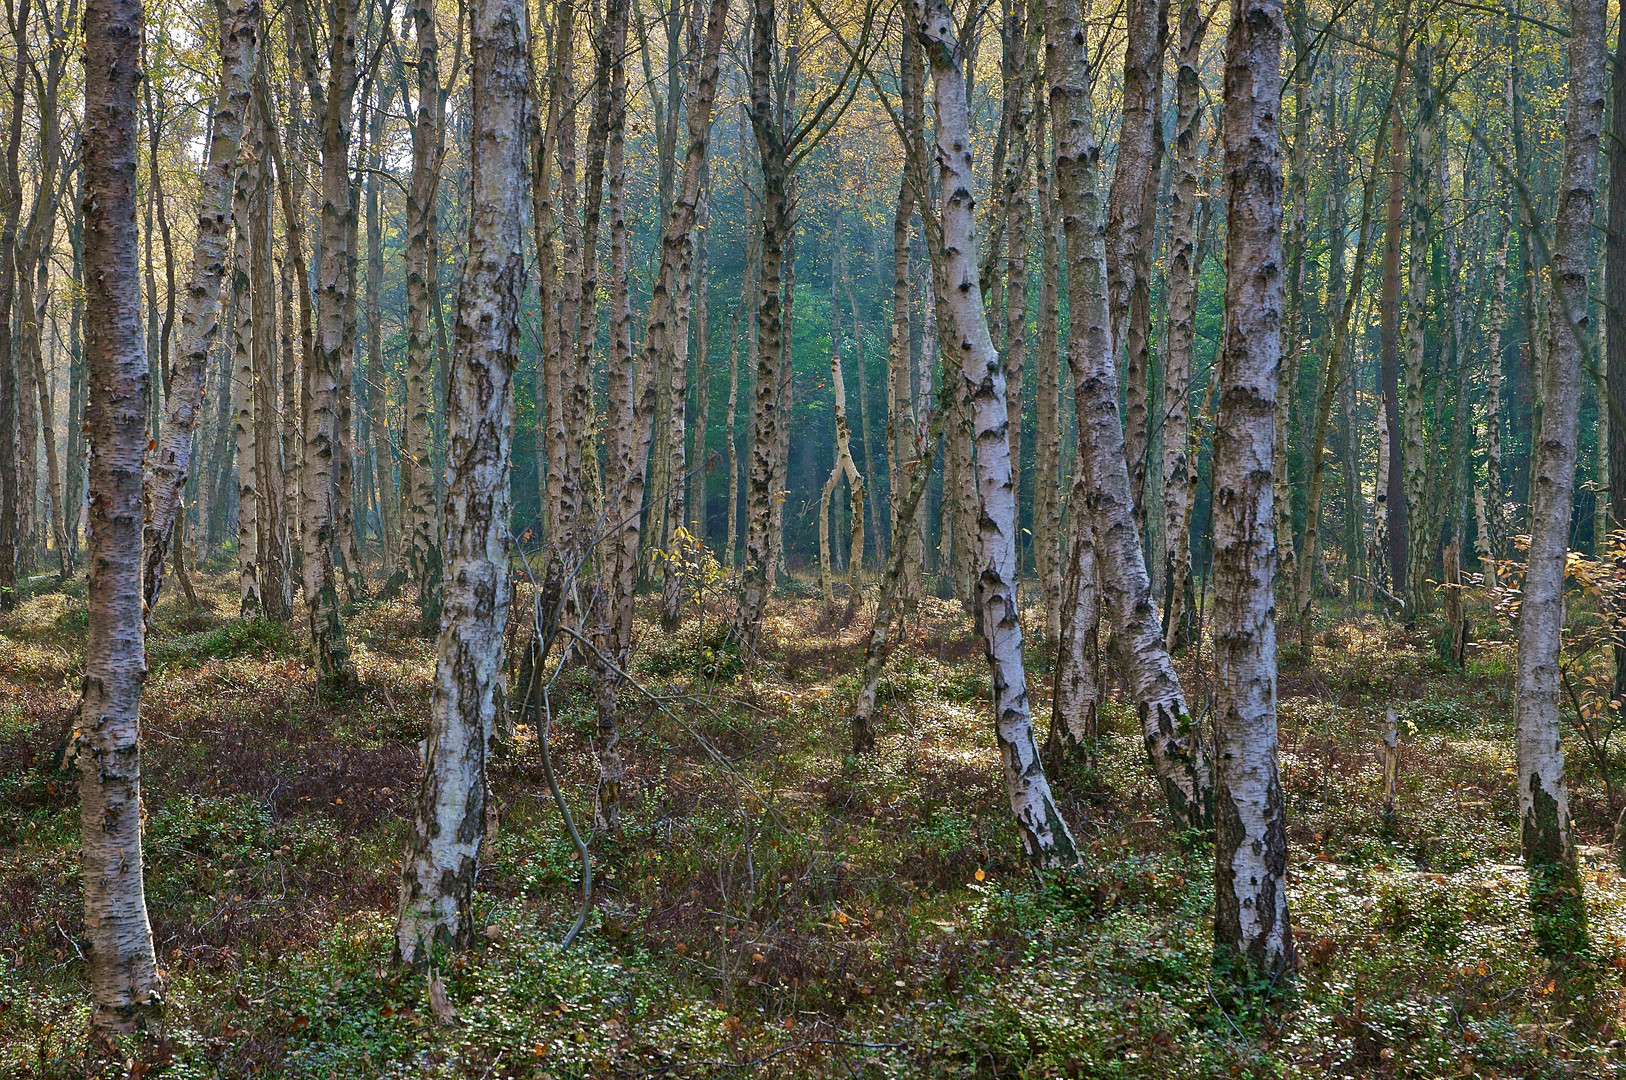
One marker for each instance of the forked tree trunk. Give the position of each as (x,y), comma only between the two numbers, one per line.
(883,634)
(1549,848)
(1130,224)
(443,851)
(1251,924)
(1169,730)
(319,514)
(124,985)
(1045,836)
(844,467)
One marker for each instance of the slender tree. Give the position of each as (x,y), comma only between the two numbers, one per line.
(443,850)
(1169,730)
(1250,843)
(1549,849)
(124,984)
(1045,835)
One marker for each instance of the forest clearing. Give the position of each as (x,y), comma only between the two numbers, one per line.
(789,904)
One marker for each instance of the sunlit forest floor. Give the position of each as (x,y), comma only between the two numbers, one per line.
(773,906)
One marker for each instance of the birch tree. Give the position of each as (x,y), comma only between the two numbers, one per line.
(125,989)
(1045,836)
(1251,923)
(443,851)
(1177,756)
(1549,848)
(319,511)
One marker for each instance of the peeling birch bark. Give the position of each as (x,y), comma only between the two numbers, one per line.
(1045,835)
(1172,743)
(1251,921)
(200,324)
(449,812)
(125,988)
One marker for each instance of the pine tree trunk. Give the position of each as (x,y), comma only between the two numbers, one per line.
(125,989)
(1251,922)
(1549,849)
(443,852)
(1045,836)
(1170,732)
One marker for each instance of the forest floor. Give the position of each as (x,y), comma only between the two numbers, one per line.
(774,906)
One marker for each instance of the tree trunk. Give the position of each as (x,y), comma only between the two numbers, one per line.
(696,481)
(1304,592)
(319,518)
(124,985)
(420,536)
(276,587)
(12,492)
(378,415)
(1549,850)
(242,396)
(1181,333)
(171,462)
(900,417)
(1414,456)
(771,350)
(1251,923)
(844,467)
(1045,836)
(1047,555)
(1130,224)
(1391,493)
(443,851)
(1177,756)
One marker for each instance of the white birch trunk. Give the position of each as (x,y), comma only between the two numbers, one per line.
(125,990)
(1251,923)
(171,463)
(1170,732)
(1549,849)
(443,851)
(1045,835)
